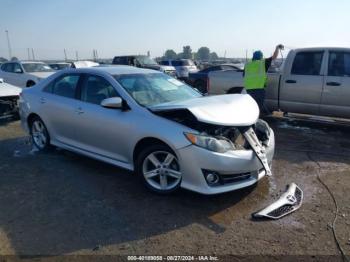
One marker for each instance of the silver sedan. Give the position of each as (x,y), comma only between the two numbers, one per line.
(153,124)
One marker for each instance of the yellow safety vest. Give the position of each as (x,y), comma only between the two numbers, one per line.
(255,75)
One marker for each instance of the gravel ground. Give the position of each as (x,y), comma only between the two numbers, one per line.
(61,203)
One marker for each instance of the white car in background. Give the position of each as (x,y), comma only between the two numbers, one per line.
(24,73)
(183,67)
(9,96)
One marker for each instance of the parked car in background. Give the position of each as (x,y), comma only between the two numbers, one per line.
(9,96)
(24,73)
(183,67)
(143,62)
(84,64)
(167,132)
(199,79)
(225,81)
(312,81)
(60,65)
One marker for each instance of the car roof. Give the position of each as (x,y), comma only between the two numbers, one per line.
(31,62)
(113,70)
(322,49)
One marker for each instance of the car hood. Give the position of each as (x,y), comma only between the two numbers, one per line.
(9,90)
(42,75)
(225,110)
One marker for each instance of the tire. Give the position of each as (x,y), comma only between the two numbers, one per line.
(39,134)
(30,83)
(159,169)
(201,86)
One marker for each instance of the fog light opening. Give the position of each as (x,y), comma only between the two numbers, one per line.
(212,178)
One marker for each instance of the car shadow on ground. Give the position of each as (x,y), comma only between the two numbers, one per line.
(60,202)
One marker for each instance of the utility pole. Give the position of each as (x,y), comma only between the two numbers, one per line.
(246,55)
(76,55)
(225,54)
(65,55)
(8,44)
(28,52)
(33,56)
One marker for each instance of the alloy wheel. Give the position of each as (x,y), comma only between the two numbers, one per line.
(39,134)
(161,170)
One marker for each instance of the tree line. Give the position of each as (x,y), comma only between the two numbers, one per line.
(203,53)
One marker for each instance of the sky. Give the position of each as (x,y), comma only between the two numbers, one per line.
(125,27)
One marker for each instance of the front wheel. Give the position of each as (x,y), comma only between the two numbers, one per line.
(40,135)
(159,168)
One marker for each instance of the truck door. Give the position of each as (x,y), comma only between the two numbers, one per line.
(301,86)
(336,91)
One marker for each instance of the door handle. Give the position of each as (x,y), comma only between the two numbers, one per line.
(333,84)
(42,100)
(79,111)
(291,81)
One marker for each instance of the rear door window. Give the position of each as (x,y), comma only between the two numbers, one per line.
(339,64)
(95,89)
(66,86)
(307,63)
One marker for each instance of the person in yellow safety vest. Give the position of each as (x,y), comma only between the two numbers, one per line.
(255,75)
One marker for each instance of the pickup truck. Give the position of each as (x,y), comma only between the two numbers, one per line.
(313,81)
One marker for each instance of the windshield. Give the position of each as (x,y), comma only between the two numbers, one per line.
(145,60)
(36,67)
(154,89)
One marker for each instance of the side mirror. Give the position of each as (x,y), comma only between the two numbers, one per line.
(1,80)
(18,71)
(113,102)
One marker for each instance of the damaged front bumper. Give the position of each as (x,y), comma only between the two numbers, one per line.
(236,169)
(8,106)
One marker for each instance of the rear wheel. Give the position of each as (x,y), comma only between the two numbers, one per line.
(159,168)
(40,135)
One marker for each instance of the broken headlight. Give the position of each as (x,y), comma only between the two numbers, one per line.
(220,145)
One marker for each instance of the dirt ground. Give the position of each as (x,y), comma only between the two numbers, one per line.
(61,203)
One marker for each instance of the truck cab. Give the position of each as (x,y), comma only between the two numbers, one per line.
(312,81)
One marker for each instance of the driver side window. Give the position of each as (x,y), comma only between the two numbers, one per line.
(95,89)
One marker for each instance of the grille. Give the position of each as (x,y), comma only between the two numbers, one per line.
(287,208)
(281,211)
(227,179)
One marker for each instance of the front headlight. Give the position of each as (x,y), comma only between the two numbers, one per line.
(210,143)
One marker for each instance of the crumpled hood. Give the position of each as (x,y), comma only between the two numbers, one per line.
(225,110)
(42,75)
(9,90)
